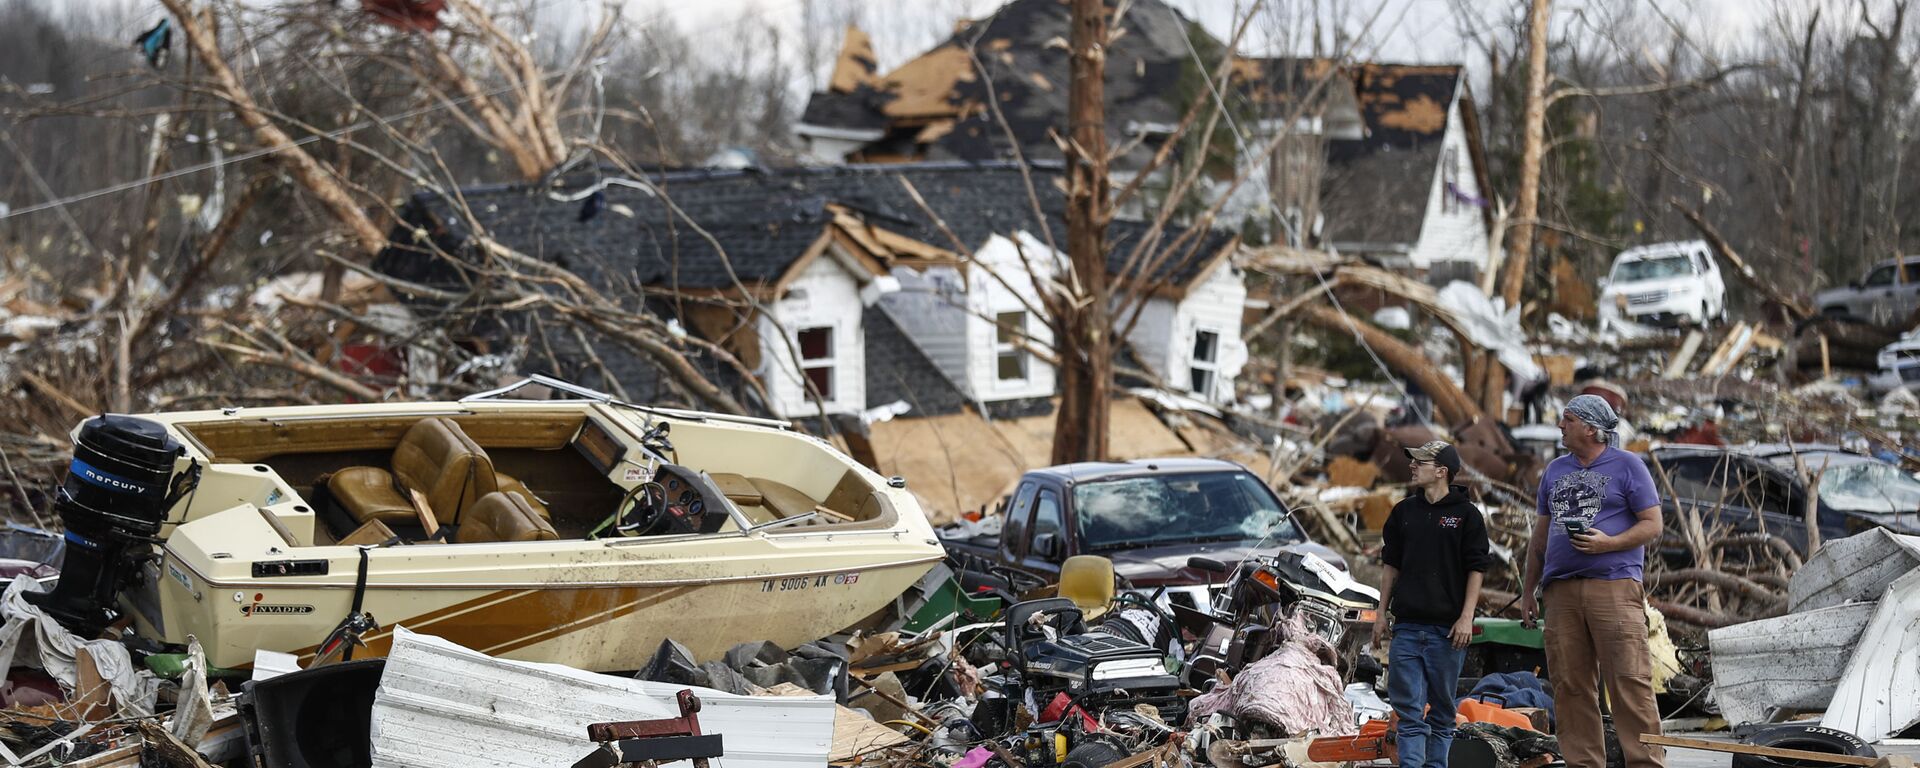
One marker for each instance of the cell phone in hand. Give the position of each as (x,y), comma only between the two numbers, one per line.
(1576,527)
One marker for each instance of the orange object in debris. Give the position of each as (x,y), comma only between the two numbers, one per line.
(1477,711)
(1375,742)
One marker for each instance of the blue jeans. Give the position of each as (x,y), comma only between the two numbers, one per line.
(1423,669)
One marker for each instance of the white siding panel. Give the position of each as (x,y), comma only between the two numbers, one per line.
(443,706)
(823,294)
(1459,234)
(1214,304)
(1153,339)
(1011,291)
(930,308)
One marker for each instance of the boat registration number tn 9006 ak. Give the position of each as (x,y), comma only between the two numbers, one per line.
(793,583)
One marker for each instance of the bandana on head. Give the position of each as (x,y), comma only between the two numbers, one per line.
(1595,412)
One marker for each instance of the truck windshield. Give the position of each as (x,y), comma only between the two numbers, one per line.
(1176,508)
(1652,269)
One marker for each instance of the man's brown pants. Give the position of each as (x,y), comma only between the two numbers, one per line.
(1599,623)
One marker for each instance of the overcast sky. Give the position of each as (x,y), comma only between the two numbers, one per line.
(1408,31)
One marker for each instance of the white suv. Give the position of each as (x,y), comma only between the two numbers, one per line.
(1663,284)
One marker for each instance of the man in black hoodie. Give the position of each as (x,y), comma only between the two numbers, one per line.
(1435,553)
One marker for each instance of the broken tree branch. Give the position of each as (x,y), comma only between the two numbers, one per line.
(1794,305)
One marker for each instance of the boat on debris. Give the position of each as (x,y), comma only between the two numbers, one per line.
(581,531)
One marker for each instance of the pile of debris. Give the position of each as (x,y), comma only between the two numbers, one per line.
(1847,645)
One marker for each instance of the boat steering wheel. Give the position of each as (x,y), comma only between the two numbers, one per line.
(642,510)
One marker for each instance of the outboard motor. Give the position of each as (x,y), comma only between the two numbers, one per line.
(113,502)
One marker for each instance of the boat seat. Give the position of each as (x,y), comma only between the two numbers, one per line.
(782,500)
(502,516)
(511,484)
(434,457)
(737,488)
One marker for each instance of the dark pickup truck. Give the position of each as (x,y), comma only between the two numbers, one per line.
(1147,516)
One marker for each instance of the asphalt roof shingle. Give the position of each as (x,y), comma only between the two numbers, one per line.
(763,220)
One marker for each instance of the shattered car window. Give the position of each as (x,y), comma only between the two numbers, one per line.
(1652,269)
(1870,487)
(1164,509)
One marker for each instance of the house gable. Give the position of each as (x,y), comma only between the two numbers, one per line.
(1454,227)
(1168,335)
(1378,190)
(814,333)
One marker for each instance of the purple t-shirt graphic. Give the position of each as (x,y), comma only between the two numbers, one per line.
(1605,495)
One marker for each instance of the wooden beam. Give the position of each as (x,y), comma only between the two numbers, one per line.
(1752,749)
(1684,357)
(1726,346)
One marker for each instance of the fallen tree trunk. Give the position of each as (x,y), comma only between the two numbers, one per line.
(1794,305)
(1725,582)
(1503,604)
(1404,361)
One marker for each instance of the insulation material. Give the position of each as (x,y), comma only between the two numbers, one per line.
(32,638)
(1296,688)
(1491,326)
(444,706)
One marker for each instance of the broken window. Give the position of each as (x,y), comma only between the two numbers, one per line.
(816,358)
(1010,357)
(1046,514)
(1205,362)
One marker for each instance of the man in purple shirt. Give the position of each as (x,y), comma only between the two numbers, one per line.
(1598,509)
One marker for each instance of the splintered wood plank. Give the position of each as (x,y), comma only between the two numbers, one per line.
(1750,749)
(1681,359)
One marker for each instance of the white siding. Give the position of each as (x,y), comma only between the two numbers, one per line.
(1012,291)
(1153,340)
(931,308)
(1164,337)
(1214,304)
(1459,234)
(823,294)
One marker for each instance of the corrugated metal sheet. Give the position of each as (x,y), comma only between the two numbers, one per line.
(1858,567)
(444,706)
(1879,696)
(1792,661)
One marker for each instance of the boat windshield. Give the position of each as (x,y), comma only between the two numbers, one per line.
(1652,269)
(1177,508)
(1870,486)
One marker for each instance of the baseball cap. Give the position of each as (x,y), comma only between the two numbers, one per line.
(1439,452)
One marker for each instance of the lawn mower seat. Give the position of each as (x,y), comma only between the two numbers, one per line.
(1087,580)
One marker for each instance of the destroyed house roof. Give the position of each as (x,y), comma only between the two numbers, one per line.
(937,103)
(1274,86)
(1376,188)
(766,220)
(899,370)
